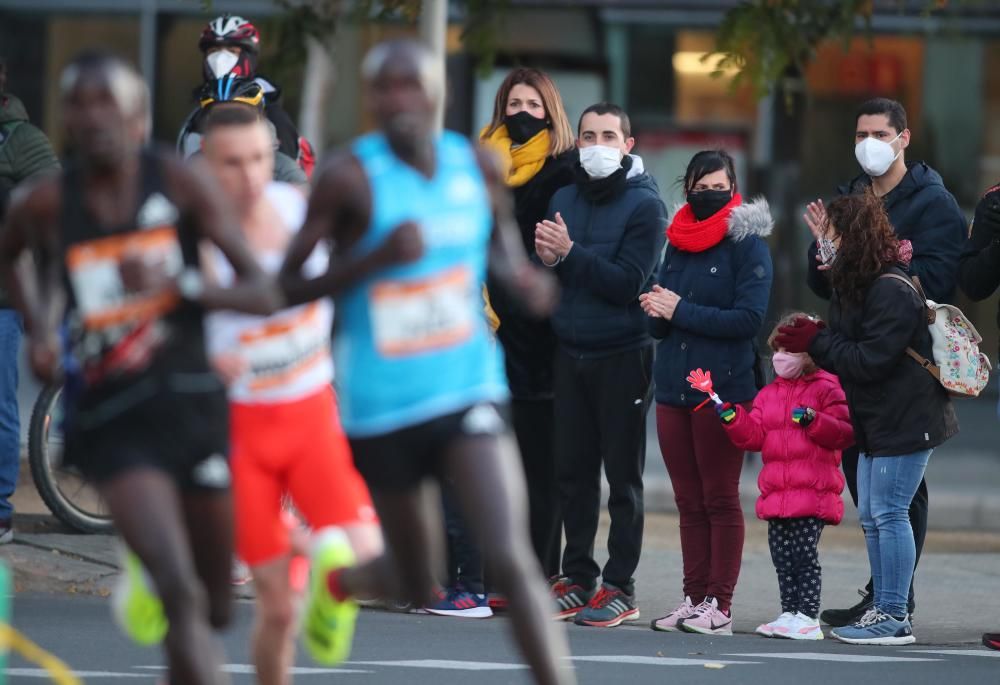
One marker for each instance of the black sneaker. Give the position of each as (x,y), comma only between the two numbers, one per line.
(992,640)
(839,618)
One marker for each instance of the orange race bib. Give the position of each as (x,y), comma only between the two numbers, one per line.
(281,352)
(94,272)
(416,316)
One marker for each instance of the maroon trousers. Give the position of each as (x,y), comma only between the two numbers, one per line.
(704,469)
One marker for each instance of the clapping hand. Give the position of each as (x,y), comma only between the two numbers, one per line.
(818,222)
(659,303)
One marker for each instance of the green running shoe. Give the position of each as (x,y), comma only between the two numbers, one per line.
(135,606)
(328,623)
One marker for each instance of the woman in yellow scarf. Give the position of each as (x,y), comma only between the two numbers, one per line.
(531,134)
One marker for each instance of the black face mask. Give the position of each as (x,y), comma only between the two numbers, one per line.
(705,203)
(522,127)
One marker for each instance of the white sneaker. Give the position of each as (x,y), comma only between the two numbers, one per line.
(800,627)
(767,629)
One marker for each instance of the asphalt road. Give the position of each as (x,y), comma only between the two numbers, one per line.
(395,648)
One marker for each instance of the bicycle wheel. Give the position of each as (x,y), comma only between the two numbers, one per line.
(65,492)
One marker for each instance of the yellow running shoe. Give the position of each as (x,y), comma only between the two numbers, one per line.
(135,606)
(328,623)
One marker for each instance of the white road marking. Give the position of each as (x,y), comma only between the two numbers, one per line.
(824,656)
(42,673)
(957,652)
(656,660)
(445,664)
(248,669)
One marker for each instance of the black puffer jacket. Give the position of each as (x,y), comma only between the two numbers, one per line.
(897,407)
(922,211)
(529,343)
(979,266)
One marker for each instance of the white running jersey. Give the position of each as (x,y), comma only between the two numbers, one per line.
(286,356)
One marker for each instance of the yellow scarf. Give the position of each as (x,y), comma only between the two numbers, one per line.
(521,163)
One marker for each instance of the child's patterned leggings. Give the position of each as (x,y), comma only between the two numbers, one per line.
(794,549)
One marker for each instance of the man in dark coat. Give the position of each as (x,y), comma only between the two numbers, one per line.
(25,154)
(603,239)
(979,276)
(923,212)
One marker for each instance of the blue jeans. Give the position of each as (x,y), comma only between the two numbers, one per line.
(10,420)
(886,486)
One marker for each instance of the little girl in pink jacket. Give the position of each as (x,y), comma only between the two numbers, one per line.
(799,424)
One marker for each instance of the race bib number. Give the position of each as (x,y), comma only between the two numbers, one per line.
(95,272)
(283,351)
(417,316)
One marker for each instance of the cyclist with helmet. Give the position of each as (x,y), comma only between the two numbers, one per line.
(231,46)
(233,89)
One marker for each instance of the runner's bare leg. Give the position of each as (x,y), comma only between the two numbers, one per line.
(495,505)
(146,508)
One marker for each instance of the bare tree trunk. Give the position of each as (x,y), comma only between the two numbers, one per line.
(320,75)
(433,32)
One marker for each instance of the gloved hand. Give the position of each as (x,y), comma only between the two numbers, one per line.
(726,412)
(803,416)
(799,336)
(988,211)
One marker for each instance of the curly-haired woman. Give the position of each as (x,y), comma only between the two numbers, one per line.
(899,410)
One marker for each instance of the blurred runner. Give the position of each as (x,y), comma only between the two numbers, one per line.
(285,434)
(421,385)
(112,244)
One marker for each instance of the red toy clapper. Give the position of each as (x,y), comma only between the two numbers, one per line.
(702,381)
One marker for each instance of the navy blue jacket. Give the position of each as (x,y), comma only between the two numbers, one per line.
(724,295)
(616,247)
(922,211)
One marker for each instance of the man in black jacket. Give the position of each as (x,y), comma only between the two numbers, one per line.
(924,213)
(603,240)
(979,276)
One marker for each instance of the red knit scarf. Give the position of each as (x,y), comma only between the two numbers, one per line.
(690,235)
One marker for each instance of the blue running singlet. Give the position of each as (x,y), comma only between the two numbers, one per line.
(412,343)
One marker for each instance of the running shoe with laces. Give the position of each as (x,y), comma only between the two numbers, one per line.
(570,598)
(767,629)
(608,608)
(799,627)
(135,606)
(992,640)
(328,622)
(708,619)
(458,601)
(668,623)
(876,628)
(837,618)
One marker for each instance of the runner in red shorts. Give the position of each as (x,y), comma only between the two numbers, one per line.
(285,432)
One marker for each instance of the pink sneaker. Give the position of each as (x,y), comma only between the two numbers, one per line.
(668,624)
(708,620)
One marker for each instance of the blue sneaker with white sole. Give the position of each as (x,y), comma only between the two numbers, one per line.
(876,628)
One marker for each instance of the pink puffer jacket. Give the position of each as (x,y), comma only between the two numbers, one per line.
(801,475)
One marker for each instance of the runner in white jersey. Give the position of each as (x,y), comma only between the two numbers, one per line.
(284,429)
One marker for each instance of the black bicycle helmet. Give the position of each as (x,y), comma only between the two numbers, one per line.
(231,89)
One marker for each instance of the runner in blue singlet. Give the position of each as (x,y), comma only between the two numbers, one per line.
(421,387)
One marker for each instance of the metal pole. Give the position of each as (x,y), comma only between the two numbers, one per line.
(433,32)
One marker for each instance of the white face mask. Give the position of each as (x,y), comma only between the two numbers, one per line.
(221,62)
(876,156)
(600,161)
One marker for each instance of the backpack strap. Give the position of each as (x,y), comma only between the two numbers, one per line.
(926,363)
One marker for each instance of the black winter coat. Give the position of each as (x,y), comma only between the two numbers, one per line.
(897,407)
(979,266)
(922,211)
(528,342)
(615,253)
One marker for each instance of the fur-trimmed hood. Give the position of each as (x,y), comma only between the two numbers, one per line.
(750,218)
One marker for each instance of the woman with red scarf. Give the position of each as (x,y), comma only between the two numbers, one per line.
(707,310)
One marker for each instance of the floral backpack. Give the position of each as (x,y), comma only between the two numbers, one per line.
(958,364)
